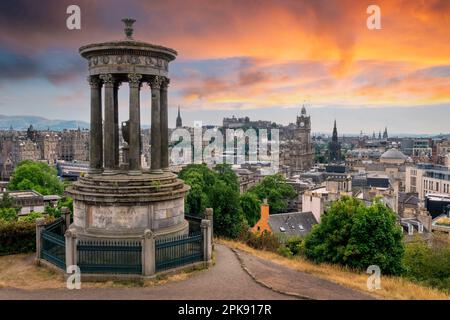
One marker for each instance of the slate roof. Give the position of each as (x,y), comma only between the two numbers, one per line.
(292,223)
(406,198)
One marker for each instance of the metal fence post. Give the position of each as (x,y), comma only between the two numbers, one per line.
(71,249)
(40,225)
(207,240)
(148,253)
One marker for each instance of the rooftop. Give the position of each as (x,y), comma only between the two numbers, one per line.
(292,223)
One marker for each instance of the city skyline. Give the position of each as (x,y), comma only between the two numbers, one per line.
(233,63)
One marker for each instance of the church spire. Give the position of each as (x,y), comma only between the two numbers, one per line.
(335,134)
(179,123)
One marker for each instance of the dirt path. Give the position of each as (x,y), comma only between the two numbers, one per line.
(235,276)
(295,283)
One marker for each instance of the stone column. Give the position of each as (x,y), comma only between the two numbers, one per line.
(207,240)
(155,85)
(116,124)
(109,127)
(134,153)
(40,224)
(71,247)
(65,213)
(164,126)
(96,132)
(148,253)
(209,213)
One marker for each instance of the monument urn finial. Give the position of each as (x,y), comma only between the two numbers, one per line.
(129,27)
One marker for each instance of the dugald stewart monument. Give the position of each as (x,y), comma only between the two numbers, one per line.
(118,200)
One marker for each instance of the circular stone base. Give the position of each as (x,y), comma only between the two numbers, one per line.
(123,206)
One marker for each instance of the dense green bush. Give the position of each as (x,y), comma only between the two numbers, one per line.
(428,265)
(357,236)
(295,245)
(17,237)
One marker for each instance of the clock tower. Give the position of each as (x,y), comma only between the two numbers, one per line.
(301,153)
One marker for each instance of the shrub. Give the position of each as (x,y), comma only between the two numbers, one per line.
(8,214)
(17,237)
(357,236)
(295,245)
(263,241)
(285,252)
(31,217)
(428,265)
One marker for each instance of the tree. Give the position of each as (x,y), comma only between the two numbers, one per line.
(38,176)
(357,236)
(217,189)
(250,206)
(275,189)
(228,217)
(227,175)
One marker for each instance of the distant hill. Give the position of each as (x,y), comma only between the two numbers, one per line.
(39,123)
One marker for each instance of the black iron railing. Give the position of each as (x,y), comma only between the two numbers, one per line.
(119,257)
(53,247)
(178,251)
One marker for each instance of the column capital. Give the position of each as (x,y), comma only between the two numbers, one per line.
(156,82)
(165,83)
(108,79)
(94,82)
(134,79)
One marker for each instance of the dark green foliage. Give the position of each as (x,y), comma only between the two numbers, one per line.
(285,252)
(428,265)
(64,202)
(217,189)
(295,245)
(228,217)
(17,237)
(8,214)
(31,217)
(251,207)
(357,236)
(38,176)
(277,192)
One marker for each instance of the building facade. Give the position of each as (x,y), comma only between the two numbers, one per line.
(425,179)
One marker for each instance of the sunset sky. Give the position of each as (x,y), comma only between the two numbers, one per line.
(257,58)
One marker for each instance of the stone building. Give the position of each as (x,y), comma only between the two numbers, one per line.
(48,144)
(26,150)
(297,153)
(425,179)
(74,145)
